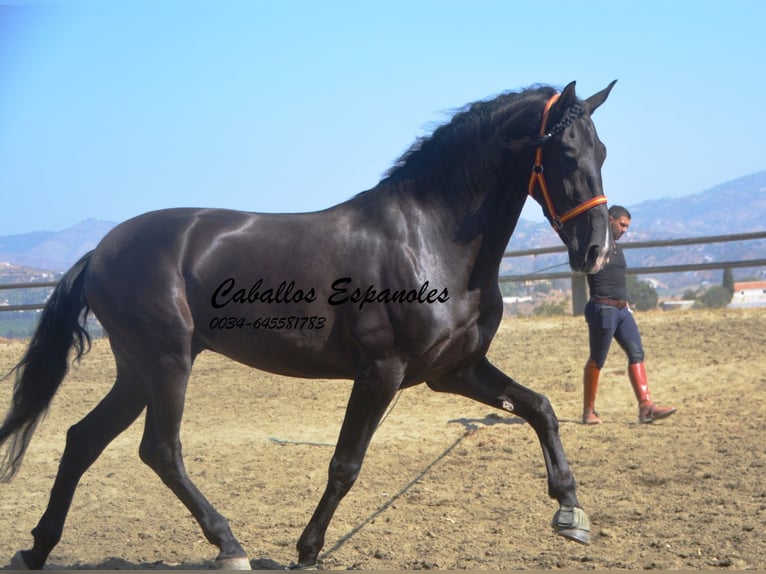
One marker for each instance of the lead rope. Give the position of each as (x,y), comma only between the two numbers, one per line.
(390,408)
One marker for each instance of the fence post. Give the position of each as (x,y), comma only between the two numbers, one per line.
(579,294)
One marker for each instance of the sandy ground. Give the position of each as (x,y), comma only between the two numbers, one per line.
(447,483)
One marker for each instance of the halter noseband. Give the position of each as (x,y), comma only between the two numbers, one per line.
(537,177)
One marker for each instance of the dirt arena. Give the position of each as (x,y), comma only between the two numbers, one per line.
(447,483)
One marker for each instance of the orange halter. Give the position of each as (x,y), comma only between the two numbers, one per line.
(537,178)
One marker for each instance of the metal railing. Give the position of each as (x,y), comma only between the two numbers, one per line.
(578,279)
(579,284)
(33,285)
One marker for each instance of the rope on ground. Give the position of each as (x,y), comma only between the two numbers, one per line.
(306,442)
(342,541)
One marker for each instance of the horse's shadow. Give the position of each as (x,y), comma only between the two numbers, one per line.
(120,564)
(469,424)
(490,420)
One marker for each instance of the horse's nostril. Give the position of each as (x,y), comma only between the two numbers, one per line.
(595,259)
(593,254)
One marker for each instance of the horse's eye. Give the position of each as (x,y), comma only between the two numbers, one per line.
(569,164)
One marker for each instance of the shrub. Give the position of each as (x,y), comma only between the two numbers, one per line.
(549,309)
(715,297)
(689,295)
(641,295)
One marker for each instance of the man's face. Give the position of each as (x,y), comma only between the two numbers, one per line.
(619,226)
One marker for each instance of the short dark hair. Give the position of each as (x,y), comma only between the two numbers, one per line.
(617,211)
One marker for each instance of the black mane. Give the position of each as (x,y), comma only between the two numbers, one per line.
(471,129)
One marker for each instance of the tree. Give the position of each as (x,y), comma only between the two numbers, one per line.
(641,295)
(728,282)
(715,297)
(508,289)
(689,295)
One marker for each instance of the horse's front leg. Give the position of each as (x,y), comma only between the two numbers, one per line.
(487,384)
(371,394)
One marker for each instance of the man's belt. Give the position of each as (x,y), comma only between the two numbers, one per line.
(611,302)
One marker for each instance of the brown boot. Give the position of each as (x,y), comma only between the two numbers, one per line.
(647,411)
(590,385)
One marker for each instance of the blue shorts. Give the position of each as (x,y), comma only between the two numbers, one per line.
(605,323)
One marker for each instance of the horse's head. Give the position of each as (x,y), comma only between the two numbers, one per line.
(570,189)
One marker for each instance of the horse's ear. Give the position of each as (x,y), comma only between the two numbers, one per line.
(567,97)
(597,99)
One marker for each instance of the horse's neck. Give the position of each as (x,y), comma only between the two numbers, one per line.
(469,232)
(494,230)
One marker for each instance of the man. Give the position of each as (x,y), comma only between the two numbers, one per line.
(609,316)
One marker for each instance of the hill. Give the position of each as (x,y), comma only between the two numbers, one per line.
(53,250)
(733,207)
(736,206)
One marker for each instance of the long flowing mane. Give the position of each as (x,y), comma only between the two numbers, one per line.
(471,132)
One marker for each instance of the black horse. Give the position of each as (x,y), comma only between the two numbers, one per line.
(395,287)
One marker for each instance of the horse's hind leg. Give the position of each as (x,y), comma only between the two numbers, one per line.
(85,441)
(161,450)
(487,384)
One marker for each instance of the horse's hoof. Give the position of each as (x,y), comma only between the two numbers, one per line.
(238,563)
(572,523)
(294,566)
(18,562)
(580,536)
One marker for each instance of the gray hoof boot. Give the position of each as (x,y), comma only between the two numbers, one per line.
(571,522)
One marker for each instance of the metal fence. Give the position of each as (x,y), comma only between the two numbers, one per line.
(579,286)
(579,283)
(32,306)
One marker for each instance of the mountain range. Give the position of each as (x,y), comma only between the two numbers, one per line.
(53,250)
(737,206)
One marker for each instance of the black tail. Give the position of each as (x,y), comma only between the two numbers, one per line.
(44,365)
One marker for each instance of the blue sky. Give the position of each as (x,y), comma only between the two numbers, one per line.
(109,109)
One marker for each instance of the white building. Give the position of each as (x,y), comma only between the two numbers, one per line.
(749,293)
